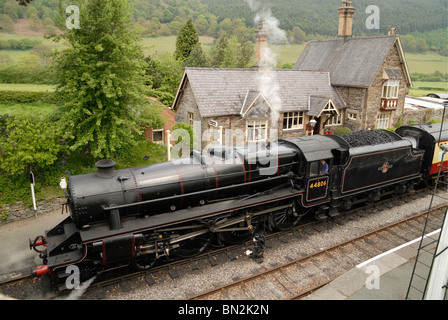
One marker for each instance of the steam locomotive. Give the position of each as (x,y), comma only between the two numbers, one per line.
(177,209)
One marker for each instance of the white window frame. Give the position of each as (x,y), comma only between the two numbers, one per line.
(158,130)
(256,130)
(190,118)
(382,120)
(390,89)
(294,120)
(334,121)
(352,116)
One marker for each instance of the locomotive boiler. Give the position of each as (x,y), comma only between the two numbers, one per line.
(176,209)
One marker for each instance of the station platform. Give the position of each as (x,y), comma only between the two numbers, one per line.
(384,277)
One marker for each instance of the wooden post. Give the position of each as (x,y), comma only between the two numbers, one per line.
(168,144)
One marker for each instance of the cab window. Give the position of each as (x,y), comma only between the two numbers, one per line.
(320,167)
(314,168)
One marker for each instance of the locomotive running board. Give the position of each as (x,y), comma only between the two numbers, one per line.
(135,225)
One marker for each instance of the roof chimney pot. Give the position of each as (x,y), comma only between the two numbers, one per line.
(346,12)
(261,34)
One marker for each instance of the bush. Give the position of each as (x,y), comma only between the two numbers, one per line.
(14,97)
(342,131)
(29,142)
(189,131)
(19,73)
(22,44)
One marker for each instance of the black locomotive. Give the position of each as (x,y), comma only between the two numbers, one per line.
(176,209)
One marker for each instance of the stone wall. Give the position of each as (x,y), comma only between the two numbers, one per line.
(375,92)
(187,103)
(355,100)
(422,115)
(18,211)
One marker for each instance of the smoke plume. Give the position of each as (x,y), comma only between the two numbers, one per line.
(266,78)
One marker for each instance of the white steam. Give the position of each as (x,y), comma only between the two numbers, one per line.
(266,78)
(76,294)
(264,13)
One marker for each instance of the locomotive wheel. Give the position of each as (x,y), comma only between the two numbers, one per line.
(145,262)
(240,236)
(193,246)
(284,220)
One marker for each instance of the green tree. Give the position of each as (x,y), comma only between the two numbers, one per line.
(164,73)
(219,51)
(10,9)
(409,43)
(298,35)
(24,2)
(101,79)
(28,143)
(245,54)
(186,40)
(6,23)
(421,45)
(197,58)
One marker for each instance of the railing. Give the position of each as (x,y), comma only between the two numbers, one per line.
(388,104)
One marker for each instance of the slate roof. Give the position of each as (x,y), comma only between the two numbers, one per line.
(353,62)
(220,92)
(317,104)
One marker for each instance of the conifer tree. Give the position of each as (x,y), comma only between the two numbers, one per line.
(101,79)
(186,40)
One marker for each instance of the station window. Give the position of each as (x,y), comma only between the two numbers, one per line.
(334,120)
(390,89)
(382,121)
(256,130)
(190,116)
(293,120)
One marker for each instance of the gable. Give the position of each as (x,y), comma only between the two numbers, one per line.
(354,62)
(259,108)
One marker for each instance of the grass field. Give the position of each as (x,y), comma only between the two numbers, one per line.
(284,53)
(27,108)
(422,88)
(423,63)
(16,55)
(426,63)
(26,87)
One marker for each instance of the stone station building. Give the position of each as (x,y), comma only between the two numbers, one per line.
(359,83)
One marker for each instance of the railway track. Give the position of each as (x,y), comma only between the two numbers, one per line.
(300,277)
(37,288)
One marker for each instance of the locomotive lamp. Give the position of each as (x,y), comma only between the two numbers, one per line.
(63,184)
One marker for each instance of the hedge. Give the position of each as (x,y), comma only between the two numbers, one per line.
(19,73)
(14,97)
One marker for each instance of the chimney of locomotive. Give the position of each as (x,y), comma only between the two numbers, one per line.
(346,13)
(105,168)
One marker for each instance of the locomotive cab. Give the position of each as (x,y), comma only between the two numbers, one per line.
(316,165)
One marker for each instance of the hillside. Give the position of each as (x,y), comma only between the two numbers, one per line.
(421,24)
(320,16)
(317,18)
